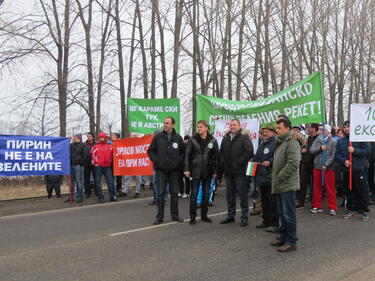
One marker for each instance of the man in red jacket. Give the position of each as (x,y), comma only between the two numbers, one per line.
(101,155)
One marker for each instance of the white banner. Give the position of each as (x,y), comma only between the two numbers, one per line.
(222,127)
(362,122)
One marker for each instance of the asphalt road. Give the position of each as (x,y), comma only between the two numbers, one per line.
(117,241)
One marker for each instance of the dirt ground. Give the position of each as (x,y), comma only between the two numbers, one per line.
(18,192)
(28,195)
(39,204)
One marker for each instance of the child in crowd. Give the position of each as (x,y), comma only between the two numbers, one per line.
(53,182)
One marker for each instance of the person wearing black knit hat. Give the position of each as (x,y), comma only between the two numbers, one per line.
(358,196)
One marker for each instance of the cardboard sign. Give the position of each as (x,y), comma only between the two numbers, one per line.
(145,116)
(222,127)
(362,122)
(130,157)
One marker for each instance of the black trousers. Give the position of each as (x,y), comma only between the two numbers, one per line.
(358,197)
(56,187)
(184,184)
(163,179)
(193,197)
(241,184)
(269,206)
(118,183)
(371,177)
(89,188)
(306,178)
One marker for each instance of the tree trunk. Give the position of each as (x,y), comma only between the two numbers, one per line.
(124,121)
(258,50)
(143,52)
(153,49)
(240,50)
(103,44)
(90,76)
(162,52)
(176,45)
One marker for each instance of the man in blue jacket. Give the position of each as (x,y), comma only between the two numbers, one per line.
(358,197)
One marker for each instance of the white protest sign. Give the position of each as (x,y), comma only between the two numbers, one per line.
(222,127)
(362,122)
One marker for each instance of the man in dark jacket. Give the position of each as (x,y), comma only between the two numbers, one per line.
(201,161)
(263,179)
(235,152)
(78,154)
(307,164)
(89,168)
(166,151)
(358,196)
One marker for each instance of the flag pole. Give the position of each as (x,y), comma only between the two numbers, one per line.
(324,153)
(324,124)
(350,168)
(70,190)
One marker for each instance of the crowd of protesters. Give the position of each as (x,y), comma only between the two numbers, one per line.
(296,167)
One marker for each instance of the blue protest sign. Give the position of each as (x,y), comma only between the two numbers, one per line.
(31,155)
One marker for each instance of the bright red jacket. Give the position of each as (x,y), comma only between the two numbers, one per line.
(101,154)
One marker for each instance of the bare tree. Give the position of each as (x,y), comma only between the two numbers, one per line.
(124,121)
(176,45)
(86,23)
(143,51)
(105,35)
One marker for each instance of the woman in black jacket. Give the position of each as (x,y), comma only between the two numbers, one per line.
(201,162)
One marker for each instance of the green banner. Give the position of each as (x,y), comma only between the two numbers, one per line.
(145,116)
(302,103)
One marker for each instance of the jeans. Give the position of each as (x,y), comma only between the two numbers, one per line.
(155,190)
(288,219)
(193,197)
(163,179)
(107,172)
(239,183)
(127,181)
(77,181)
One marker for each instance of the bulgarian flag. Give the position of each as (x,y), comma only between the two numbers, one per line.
(251,169)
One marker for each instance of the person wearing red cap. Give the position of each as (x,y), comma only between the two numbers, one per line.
(101,155)
(357,195)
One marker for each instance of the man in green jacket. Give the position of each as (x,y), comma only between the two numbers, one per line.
(285,182)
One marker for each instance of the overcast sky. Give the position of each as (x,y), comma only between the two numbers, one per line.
(26,76)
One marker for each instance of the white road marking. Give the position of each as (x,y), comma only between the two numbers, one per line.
(162,225)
